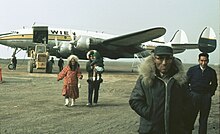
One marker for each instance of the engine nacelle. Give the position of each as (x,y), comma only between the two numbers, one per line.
(85,42)
(65,49)
(207,41)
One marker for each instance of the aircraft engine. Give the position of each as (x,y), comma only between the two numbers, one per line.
(207,41)
(85,42)
(65,49)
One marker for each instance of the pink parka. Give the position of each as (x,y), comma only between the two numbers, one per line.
(70,81)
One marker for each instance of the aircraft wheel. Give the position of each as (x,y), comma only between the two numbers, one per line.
(30,66)
(10,66)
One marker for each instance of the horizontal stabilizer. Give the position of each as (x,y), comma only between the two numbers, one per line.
(207,41)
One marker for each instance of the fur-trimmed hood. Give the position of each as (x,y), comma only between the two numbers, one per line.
(72,57)
(147,70)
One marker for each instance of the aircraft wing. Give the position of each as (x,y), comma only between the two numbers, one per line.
(125,46)
(136,38)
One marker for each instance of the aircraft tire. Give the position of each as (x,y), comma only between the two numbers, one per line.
(30,67)
(10,66)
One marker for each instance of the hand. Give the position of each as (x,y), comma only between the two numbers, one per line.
(81,76)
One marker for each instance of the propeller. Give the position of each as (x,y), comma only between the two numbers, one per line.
(56,43)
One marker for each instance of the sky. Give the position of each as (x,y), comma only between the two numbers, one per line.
(116,17)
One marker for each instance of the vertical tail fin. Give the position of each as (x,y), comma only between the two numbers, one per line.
(207,40)
(179,37)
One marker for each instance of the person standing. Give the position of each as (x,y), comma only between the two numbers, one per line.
(160,96)
(203,83)
(60,64)
(14,62)
(70,73)
(93,82)
(52,61)
(49,67)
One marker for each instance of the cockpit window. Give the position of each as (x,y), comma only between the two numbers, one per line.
(15,32)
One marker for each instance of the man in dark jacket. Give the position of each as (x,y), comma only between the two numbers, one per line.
(14,62)
(160,95)
(203,83)
(60,64)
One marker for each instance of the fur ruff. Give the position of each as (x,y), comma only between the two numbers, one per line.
(72,57)
(147,69)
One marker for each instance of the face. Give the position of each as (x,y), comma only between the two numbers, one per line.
(72,61)
(93,57)
(203,61)
(90,57)
(163,63)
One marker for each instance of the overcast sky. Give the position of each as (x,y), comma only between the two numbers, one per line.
(115,17)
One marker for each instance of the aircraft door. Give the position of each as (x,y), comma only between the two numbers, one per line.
(40,34)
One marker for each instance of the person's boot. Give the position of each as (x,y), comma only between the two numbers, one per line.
(66,101)
(72,102)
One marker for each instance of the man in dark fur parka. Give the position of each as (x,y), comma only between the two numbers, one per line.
(160,96)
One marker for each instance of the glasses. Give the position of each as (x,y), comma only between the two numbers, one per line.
(162,58)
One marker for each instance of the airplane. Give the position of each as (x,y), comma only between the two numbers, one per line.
(64,42)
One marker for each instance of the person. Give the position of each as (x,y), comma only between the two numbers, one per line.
(49,67)
(70,73)
(203,83)
(160,96)
(93,82)
(52,61)
(97,62)
(14,62)
(74,36)
(60,64)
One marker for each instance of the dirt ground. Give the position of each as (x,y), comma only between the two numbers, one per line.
(32,103)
